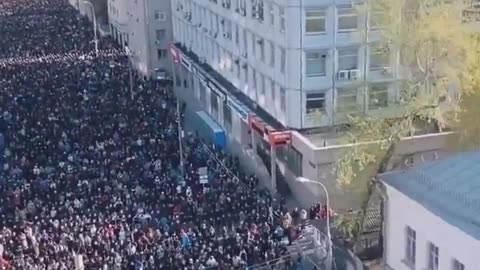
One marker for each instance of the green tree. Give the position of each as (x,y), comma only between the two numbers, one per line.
(436,53)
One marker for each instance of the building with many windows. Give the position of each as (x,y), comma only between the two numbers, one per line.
(431,215)
(280,76)
(144,26)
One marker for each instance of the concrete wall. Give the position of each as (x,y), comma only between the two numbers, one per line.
(318,163)
(452,242)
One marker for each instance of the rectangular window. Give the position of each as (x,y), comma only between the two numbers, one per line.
(160,16)
(203,95)
(458,265)
(271,13)
(315,102)
(230,62)
(245,41)
(410,247)
(254,80)
(262,86)
(378,96)
(432,257)
(282,60)
(246,74)
(272,54)
(161,53)
(261,47)
(347,18)
(227,118)
(282,19)
(272,91)
(315,21)
(254,44)
(315,64)
(160,34)
(214,104)
(347,58)
(237,35)
(283,99)
(347,100)
(379,57)
(260,11)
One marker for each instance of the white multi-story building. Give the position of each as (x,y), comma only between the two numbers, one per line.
(282,68)
(144,26)
(432,216)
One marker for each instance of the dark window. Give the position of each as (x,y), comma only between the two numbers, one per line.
(315,102)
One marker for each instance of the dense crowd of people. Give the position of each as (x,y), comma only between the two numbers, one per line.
(91,175)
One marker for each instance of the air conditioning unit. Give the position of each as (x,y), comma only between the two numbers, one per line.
(260,41)
(222,21)
(226,35)
(342,74)
(203,60)
(244,55)
(354,74)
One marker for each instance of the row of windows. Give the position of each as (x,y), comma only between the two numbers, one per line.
(347,20)
(249,44)
(258,10)
(348,59)
(433,253)
(349,99)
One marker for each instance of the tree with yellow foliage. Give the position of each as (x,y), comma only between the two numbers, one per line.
(437,58)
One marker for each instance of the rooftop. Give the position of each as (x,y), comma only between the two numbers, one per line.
(449,188)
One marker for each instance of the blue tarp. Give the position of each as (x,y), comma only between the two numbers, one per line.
(209,129)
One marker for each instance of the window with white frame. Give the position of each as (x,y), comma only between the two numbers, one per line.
(410,247)
(261,48)
(272,90)
(260,11)
(457,265)
(379,57)
(160,34)
(245,41)
(432,263)
(282,60)
(315,21)
(347,100)
(243,7)
(254,43)
(214,104)
(378,96)
(227,117)
(315,102)
(237,35)
(272,54)
(282,19)
(347,18)
(254,79)
(271,13)
(315,64)
(230,62)
(348,58)
(283,99)
(159,15)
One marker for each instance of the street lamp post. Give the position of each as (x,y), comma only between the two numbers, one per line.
(95,38)
(329,236)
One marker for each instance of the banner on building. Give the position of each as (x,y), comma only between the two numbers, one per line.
(278,138)
(174,53)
